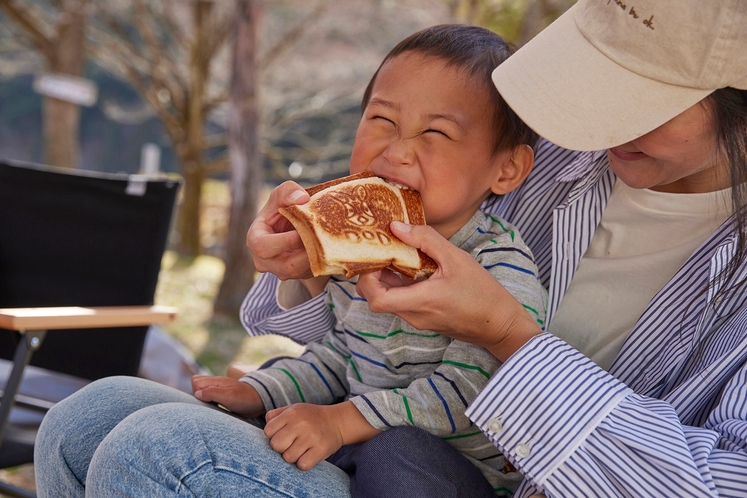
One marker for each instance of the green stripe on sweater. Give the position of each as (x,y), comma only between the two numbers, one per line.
(392,334)
(468,367)
(535,313)
(407,406)
(355,369)
(500,224)
(460,436)
(298,388)
(332,346)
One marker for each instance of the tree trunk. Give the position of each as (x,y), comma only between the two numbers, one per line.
(191,150)
(188,216)
(62,119)
(245,160)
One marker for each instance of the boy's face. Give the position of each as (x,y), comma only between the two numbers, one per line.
(428,126)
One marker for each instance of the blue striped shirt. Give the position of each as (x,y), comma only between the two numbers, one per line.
(670,416)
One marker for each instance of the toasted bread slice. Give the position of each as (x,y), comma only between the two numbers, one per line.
(345,227)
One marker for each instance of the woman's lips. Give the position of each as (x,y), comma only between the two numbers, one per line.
(627,156)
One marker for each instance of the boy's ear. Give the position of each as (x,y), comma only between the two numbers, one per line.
(516,167)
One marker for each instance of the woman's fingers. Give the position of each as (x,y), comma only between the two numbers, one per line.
(286,194)
(275,246)
(424,238)
(265,243)
(388,293)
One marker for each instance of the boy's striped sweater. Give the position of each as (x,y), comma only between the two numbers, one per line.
(398,375)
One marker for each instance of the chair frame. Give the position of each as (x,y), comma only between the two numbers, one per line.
(34,323)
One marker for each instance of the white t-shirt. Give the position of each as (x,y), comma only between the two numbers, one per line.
(644,237)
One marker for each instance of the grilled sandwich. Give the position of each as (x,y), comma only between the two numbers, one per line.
(345,227)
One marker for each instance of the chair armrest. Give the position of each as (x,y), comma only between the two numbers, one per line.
(33,324)
(74,317)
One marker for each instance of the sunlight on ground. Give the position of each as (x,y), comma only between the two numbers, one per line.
(21,476)
(191,285)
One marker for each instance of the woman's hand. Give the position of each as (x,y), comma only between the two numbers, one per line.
(236,396)
(275,245)
(461,300)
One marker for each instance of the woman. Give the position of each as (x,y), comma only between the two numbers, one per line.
(642,252)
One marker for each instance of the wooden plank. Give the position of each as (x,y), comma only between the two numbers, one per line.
(73,317)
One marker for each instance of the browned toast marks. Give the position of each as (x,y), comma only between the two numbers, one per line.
(345,227)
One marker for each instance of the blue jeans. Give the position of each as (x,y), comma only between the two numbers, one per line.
(128,437)
(408,462)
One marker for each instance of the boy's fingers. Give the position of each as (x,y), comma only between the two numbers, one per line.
(311,457)
(293,451)
(204,394)
(199,382)
(272,414)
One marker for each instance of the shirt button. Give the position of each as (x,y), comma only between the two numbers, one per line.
(523,450)
(495,425)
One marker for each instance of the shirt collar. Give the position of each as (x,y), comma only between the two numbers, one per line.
(584,164)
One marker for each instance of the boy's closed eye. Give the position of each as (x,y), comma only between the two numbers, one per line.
(383,119)
(440,132)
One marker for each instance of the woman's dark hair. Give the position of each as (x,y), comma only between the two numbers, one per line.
(477,51)
(729,109)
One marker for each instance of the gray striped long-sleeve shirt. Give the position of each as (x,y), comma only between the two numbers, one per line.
(398,375)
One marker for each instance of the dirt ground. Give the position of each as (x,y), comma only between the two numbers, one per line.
(22,476)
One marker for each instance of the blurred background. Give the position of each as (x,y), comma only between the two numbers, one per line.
(235,96)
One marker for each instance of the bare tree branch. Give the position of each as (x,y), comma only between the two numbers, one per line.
(293,36)
(214,141)
(218,29)
(26,20)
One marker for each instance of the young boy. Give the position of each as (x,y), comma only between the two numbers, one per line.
(432,121)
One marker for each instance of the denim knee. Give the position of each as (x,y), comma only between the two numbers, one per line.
(176,449)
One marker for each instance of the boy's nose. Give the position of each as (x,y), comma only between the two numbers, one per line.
(400,152)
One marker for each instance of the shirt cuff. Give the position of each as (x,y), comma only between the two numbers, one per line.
(543,403)
(253,379)
(291,293)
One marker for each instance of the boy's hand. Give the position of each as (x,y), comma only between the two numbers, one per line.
(306,434)
(275,245)
(236,396)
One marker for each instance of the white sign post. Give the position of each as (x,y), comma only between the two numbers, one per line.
(79,91)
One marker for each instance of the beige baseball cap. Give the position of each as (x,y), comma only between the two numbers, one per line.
(609,71)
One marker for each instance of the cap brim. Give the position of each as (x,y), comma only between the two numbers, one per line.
(573,95)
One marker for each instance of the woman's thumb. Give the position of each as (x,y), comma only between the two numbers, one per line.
(420,237)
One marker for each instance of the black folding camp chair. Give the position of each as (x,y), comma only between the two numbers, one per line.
(83,250)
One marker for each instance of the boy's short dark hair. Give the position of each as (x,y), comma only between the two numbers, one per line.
(477,51)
